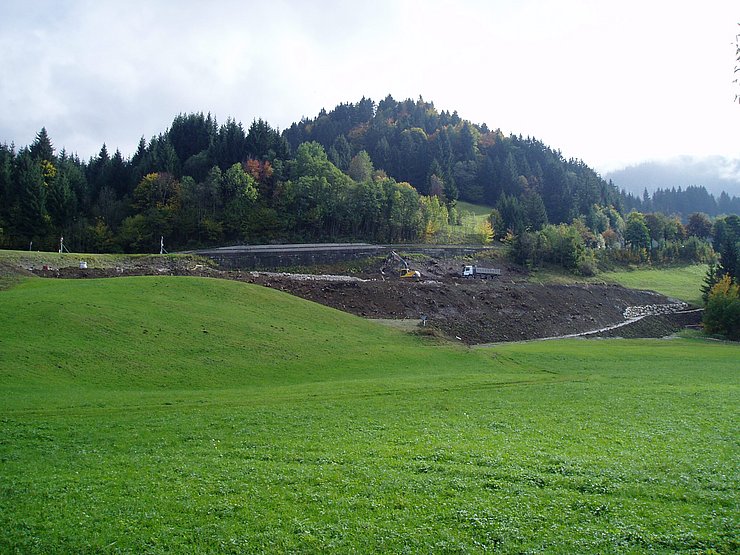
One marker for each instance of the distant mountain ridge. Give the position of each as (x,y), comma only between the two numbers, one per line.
(716,174)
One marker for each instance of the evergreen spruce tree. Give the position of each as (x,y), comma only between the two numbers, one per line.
(32,188)
(41,148)
(710,280)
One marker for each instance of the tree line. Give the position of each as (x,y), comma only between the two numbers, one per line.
(201,184)
(684,202)
(386,172)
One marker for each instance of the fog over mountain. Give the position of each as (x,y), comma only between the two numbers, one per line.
(715,173)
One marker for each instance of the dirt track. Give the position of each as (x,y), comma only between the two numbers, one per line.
(469,310)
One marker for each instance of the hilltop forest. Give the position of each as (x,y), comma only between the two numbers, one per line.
(390,171)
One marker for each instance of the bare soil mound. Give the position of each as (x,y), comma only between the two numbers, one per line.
(476,311)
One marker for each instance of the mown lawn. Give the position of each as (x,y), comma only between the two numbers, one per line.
(152,415)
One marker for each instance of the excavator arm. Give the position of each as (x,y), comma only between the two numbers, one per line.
(396,260)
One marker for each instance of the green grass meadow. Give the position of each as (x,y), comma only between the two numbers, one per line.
(189,415)
(680,282)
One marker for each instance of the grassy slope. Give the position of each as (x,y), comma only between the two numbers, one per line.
(476,209)
(190,333)
(181,414)
(680,282)
(14,264)
(36,259)
(683,282)
(471,216)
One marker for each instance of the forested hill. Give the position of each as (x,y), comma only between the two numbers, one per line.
(442,154)
(385,172)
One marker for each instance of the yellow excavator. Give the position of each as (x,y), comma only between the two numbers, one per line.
(404,272)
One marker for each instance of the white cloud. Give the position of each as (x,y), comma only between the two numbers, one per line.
(611,83)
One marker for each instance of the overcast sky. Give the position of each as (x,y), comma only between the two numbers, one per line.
(612,83)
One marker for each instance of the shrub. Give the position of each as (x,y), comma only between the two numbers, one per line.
(696,250)
(587,266)
(722,313)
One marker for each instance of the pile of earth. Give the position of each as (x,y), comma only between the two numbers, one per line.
(469,310)
(476,311)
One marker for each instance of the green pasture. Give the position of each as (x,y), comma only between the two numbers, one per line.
(680,282)
(187,415)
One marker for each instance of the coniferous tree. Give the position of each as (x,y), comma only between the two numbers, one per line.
(8,191)
(98,172)
(41,148)
(512,214)
(710,280)
(341,153)
(726,241)
(382,154)
(31,222)
(118,176)
(534,209)
(60,202)
(413,158)
(262,141)
(191,134)
(230,145)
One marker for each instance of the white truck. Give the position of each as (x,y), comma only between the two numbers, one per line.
(479,272)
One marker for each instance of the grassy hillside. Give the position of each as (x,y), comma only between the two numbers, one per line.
(475,209)
(185,333)
(471,216)
(683,282)
(193,415)
(36,259)
(15,264)
(680,282)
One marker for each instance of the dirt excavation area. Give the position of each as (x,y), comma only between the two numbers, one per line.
(444,303)
(479,311)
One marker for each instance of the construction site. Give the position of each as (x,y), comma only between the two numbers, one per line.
(470,296)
